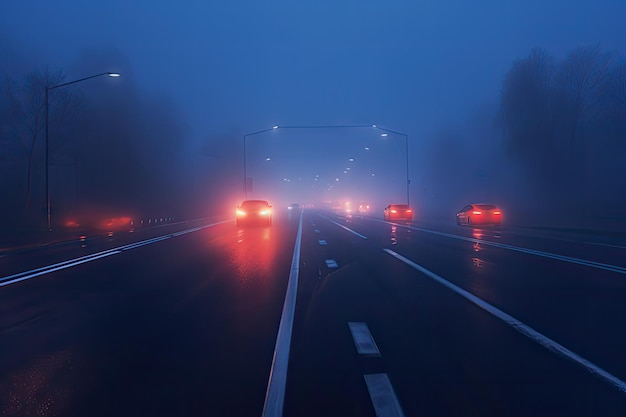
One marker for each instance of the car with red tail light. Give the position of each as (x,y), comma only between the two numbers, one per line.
(479,214)
(398,212)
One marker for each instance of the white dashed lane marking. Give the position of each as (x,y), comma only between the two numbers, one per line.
(331,263)
(383,396)
(363,339)
(344,227)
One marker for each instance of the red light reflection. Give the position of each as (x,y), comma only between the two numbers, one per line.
(478,263)
(477,234)
(394,240)
(254,254)
(72,223)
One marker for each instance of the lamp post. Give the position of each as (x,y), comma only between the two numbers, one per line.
(48,88)
(406,144)
(245,167)
(386,132)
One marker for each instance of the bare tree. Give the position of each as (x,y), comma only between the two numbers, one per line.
(617,98)
(581,82)
(34,93)
(33,115)
(10,108)
(526,113)
(12,154)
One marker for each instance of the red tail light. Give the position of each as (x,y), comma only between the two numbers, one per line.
(497,212)
(409,211)
(476,212)
(393,211)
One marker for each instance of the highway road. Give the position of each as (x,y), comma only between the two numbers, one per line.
(319,314)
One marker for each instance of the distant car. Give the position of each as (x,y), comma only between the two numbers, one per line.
(398,212)
(363,208)
(254,212)
(293,206)
(482,214)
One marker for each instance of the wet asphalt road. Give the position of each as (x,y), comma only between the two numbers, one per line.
(182,321)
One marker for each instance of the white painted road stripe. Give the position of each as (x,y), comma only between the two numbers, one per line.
(22,276)
(363,339)
(593,264)
(344,227)
(59,267)
(275,394)
(331,263)
(322,242)
(383,396)
(519,326)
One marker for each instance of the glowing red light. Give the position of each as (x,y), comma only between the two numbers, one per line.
(477,212)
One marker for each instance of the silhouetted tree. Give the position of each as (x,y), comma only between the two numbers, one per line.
(617,101)
(526,113)
(32,112)
(12,153)
(129,144)
(557,121)
(581,81)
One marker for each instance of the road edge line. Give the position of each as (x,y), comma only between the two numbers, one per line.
(521,327)
(277,382)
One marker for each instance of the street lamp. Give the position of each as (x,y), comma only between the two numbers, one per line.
(48,88)
(245,167)
(406,142)
(384,134)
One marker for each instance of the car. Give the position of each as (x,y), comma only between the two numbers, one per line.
(254,212)
(293,206)
(482,214)
(398,212)
(363,208)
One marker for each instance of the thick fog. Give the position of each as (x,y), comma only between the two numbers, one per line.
(521,105)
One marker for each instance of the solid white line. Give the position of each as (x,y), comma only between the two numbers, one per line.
(383,396)
(56,266)
(22,276)
(518,325)
(145,242)
(275,394)
(344,227)
(610,245)
(363,339)
(66,265)
(593,264)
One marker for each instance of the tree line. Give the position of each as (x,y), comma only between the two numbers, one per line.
(553,143)
(564,123)
(112,151)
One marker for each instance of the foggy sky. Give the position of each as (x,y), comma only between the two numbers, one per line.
(235,67)
(246,65)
